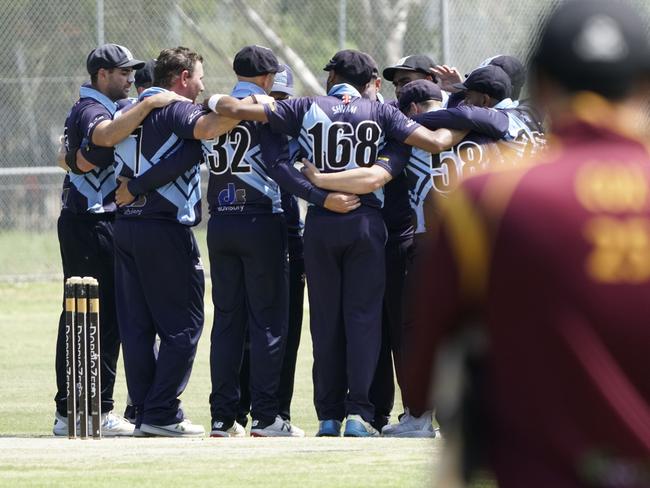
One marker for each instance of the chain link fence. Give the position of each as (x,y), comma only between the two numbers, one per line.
(46,43)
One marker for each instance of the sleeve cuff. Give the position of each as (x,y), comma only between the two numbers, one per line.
(386,165)
(318,196)
(134,187)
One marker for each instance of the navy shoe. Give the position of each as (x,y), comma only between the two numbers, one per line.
(329,428)
(355,426)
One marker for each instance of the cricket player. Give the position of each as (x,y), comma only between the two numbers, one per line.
(449,78)
(482,128)
(247,242)
(526,122)
(410,68)
(143,79)
(144,76)
(282,89)
(85,226)
(344,254)
(161,291)
(396,212)
(399,246)
(542,273)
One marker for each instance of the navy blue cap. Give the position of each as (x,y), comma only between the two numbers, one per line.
(594,45)
(144,76)
(255,61)
(514,68)
(418,91)
(418,62)
(354,66)
(490,80)
(111,56)
(283,81)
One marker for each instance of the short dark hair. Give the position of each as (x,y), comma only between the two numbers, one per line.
(343,79)
(93,77)
(172,62)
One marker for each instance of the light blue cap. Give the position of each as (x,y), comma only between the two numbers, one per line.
(284,81)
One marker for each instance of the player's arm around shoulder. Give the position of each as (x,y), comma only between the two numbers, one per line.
(401,128)
(226,112)
(249,108)
(211,125)
(107,133)
(436,141)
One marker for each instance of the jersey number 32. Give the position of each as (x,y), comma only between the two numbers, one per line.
(228,152)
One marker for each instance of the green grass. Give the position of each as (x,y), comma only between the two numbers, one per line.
(30,457)
(29,253)
(25,255)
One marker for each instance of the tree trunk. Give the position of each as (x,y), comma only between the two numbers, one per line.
(299,67)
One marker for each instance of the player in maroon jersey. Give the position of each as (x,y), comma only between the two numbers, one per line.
(542,276)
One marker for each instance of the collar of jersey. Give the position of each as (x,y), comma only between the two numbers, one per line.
(151,91)
(507,103)
(245,88)
(343,89)
(594,110)
(87,91)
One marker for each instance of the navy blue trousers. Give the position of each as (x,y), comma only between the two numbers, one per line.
(159,290)
(296,300)
(86,244)
(382,392)
(294,332)
(344,263)
(249,270)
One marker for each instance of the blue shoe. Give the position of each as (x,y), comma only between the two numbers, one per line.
(355,426)
(329,428)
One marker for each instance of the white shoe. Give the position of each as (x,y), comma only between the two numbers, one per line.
(279,428)
(185,428)
(60,427)
(112,425)
(410,426)
(236,430)
(116,426)
(296,431)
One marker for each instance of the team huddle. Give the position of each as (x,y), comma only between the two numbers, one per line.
(519,296)
(372,173)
